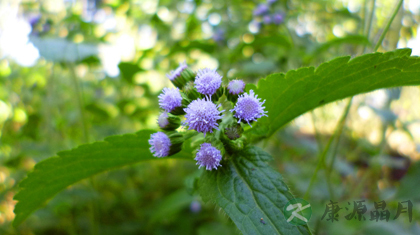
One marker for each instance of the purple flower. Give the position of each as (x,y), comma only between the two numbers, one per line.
(170,99)
(219,35)
(202,116)
(207,81)
(208,157)
(236,87)
(177,72)
(249,108)
(160,144)
(271,1)
(163,120)
(195,207)
(267,19)
(278,18)
(261,10)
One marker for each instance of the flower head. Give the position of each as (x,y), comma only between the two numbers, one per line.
(249,108)
(267,19)
(177,72)
(202,115)
(271,1)
(261,9)
(208,157)
(170,99)
(219,35)
(235,87)
(207,81)
(160,144)
(163,120)
(278,18)
(167,121)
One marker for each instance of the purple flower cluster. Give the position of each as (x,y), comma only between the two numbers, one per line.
(208,157)
(263,15)
(198,98)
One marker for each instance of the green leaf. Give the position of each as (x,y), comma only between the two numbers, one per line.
(298,91)
(409,188)
(171,205)
(248,189)
(56,173)
(128,70)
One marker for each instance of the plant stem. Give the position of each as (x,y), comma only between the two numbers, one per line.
(321,161)
(80,103)
(341,127)
(79,97)
(321,164)
(317,135)
(372,12)
(378,44)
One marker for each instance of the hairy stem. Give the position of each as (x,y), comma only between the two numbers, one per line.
(381,38)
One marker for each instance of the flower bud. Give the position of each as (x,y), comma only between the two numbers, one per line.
(167,121)
(235,88)
(181,75)
(234,131)
(165,144)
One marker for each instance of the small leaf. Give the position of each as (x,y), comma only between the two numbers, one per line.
(56,173)
(298,91)
(128,70)
(248,189)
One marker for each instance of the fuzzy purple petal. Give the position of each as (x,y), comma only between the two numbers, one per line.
(208,157)
(249,108)
(207,81)
(170,99)
(202,115)
(236,87)
(160,144)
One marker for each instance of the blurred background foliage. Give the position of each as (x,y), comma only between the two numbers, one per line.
(76,71)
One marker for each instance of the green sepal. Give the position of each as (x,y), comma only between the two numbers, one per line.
(184,104)
(177,139)
(231,97)
(219,93)
(191,92)
(185,76)
(173,123)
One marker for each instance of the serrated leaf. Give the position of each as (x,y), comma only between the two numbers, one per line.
(56,173)
(298,91)
(248,189)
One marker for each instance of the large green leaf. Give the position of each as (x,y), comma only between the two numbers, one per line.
(298,91)
(248,189)
(55,174)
